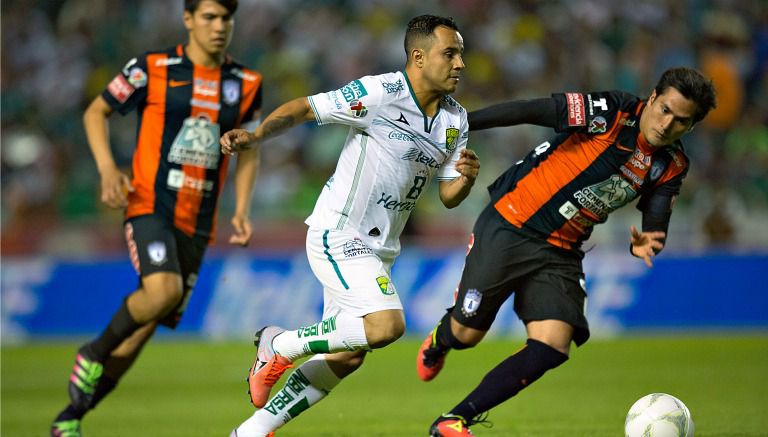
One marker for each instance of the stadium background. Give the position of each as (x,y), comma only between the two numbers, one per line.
(58,54)
(64,266)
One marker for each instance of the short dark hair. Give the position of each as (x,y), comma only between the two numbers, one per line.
(693,86)
(423,27)
(192,5)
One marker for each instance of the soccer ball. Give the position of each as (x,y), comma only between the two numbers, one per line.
(658,415)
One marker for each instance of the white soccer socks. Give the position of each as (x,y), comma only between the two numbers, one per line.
(306,386)
(339,333)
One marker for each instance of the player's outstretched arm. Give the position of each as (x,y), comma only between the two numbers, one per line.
(114,184)
(453,192)
(542,112)
(286,116)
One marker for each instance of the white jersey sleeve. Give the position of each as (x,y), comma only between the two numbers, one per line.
(355,104)
(448,171)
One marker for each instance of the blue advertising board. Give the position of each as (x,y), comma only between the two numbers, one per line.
(237,294)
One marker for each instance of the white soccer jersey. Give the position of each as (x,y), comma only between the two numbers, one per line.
(391,154)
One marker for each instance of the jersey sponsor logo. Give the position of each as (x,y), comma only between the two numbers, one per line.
(402,119)
(196,144)
(120,89)
(629,174)
(137,77)
(600,104)
(598,125)
(353,91)
(205,87)
(157,253)
(451,135)
(640,160)
(243,74)
(391,88)
(173,83)
(163,62)
(205,104)
(357,109)
(356,247)
(471,302)
(230,90)
(568,210)
(177,181)
(627,122)
(385,285)
(575,107)
(416,155)
(400,136)
(387,201)
(602,198)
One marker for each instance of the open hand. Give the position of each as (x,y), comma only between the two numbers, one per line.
(646,244)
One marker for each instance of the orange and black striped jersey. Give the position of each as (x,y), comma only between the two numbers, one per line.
(178,168)
(597,162)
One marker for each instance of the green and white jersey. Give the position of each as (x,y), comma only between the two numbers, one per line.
(391,154)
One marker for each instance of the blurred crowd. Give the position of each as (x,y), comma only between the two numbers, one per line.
(58,54)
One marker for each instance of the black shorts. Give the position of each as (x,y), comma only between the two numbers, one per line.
(157,246)
(548,282)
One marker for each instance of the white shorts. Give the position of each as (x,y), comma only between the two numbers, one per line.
(355,280)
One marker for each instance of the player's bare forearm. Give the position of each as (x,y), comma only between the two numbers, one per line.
(286,116)
(246,172)
(453,192)
(97,132)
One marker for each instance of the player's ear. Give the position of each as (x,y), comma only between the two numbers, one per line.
(188,20)
(418,57)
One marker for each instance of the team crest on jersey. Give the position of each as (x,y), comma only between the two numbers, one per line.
(471,302)
(137,77)
(385,285)
(357,109)
(157,253)
(230,92)
(451,135)
(353,91)
(657,168)
(598,125)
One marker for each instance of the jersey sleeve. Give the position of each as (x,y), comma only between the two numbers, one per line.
(128,89)
(591,113)
(448,171)
(354,104)
(249,123)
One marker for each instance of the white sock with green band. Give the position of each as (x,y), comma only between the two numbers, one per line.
(339,333)
(306,386)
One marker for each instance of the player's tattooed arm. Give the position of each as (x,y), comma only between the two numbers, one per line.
(286,116)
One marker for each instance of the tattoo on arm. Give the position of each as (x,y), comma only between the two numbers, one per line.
(277,125)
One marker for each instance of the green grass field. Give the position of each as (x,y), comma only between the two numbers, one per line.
(188,388)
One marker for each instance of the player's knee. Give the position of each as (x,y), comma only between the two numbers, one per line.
(164,291)
(384,328)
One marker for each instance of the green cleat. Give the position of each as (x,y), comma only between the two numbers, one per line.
(83,380)
(66,428)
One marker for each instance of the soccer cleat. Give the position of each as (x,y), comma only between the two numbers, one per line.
(83,380)
(66,428)
(449,425)
(430,359)
(267,368)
